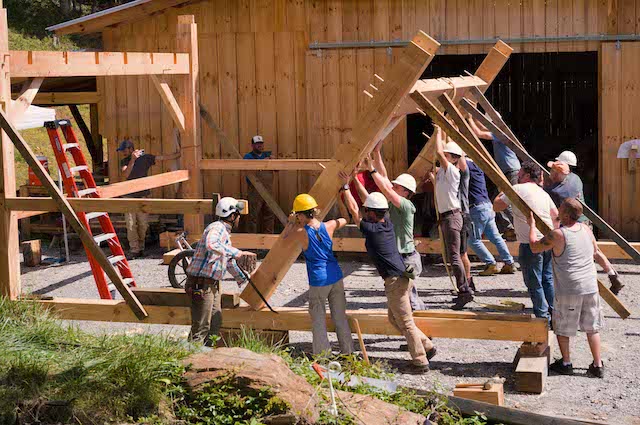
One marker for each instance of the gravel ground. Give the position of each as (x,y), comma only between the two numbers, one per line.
(615,399)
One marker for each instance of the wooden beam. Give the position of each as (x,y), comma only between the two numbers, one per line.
(265,164)
(9,255)
(423,245)
(255,181)
(71,217)
(472,148)
(130,186)
(372,322)
(377,116)
(119,205)
(98,21)
(189,101)
(62,98)
(96,135)
(169,101)
(28,93)
(33,64)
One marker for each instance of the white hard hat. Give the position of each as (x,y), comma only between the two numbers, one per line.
(453,148)
(568,157)
(228,206)
(376,201)
(407,181)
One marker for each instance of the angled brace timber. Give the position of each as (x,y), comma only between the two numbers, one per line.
(169,101)
(590,213)
(469,146)
(372,123)
(260,188)
(27,95)
(86,133)
(70,214)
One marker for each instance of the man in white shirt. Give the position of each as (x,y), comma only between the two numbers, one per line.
(447,185)
(536,267)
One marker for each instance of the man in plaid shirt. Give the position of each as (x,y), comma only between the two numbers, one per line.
(214,255)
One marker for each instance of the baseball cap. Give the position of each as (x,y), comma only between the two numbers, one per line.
(124,145)
(256,139)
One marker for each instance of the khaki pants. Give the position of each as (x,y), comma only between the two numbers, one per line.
(137,224)
(206,311)
(400,316)
(318,296)
(259,212)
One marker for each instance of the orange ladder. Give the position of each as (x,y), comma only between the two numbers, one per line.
(108,235)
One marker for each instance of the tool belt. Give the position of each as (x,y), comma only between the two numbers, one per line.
(196,287)
(450,212)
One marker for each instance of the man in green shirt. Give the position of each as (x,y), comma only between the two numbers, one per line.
(401,213)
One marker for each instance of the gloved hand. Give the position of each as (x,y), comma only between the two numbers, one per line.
(616,283)
(247,261)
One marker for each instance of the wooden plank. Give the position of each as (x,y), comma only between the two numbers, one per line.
(475,23)
(9,257)
(266,164)
(71,216)
(191,147)
(169,101)
(142,205)
(175,297)
(299,58)
(370,126)
(285,93)
(62,98)
(25,99)
(31,252)
(33,64)
(462,12)
(372,322)
(531,374)
(565,23)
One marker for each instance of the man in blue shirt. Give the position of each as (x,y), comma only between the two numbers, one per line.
(257,206)
(509,165)
(483,220)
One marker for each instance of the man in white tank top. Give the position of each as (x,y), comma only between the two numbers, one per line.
(577,302)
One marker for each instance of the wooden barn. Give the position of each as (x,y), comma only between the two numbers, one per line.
(294,71)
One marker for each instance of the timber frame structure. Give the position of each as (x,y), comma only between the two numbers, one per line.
(393,95)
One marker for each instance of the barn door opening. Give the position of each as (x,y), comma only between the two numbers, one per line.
(550,100)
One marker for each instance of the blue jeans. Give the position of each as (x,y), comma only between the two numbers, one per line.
(484,221)
(538,276)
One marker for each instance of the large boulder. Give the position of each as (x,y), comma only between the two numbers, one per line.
(269,370)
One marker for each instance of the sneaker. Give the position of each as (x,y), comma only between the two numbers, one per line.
(595,371)
(508,269)
(431,353)
(616,284)
(560,368)
(489,270)
(463,299)
(419,367)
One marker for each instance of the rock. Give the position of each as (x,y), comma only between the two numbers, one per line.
(268,370)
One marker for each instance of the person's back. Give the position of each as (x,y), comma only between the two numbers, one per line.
(380,241)
(574,270)
(539,201)
(403,219)
(570,187)
(322,265)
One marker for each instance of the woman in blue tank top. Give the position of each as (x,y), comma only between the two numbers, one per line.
(323,270)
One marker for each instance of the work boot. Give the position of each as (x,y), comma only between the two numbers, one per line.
(418,366)
(595,371)
(560,368)
(431,353)
(472,284)
(508,269)
(616,284)
(135,254)
(463,299)
(489,270)
(509,235)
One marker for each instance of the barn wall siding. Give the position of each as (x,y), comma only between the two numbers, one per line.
(258,76)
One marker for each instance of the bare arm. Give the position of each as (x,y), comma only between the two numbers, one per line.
(499,204)
(362,191)
(333,225)
(385,186)
(126,170)
(462,163)
(342,207)
(598,256)
(378,163)
(440,148)
(352,206)
(553,239)
(480,130)
(554,218)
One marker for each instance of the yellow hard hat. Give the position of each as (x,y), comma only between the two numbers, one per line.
(304,202)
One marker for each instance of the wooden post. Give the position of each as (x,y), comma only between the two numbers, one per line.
(9,253)
(191,148)
(94,118)
(31,252)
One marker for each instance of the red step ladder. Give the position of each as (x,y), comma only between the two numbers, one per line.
(108,235)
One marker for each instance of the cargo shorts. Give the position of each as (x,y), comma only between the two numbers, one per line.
(573,312)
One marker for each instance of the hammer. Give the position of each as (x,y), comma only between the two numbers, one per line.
(486,385)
